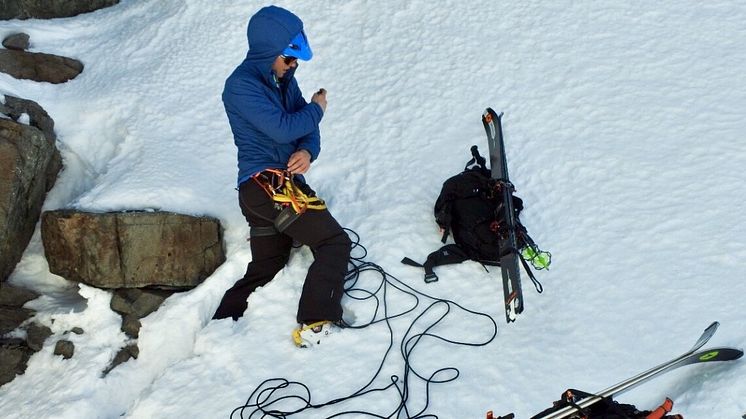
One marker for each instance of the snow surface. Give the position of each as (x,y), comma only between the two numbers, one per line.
(624,124)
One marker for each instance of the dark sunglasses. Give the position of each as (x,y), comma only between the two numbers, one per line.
(288,59)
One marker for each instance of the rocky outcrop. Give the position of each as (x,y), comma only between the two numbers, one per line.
(134,304)
(12,317)
(15,352)
(21,64)
(132,249)
(12,313)
(29,162)
(16,41)
(38,66)
(49,9)
(15,108)
(12,296)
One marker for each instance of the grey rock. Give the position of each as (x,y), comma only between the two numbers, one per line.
(134,350)
(122,300)
(14,355)
(124,355)
(12,317)
(38,66)
(26,161)
(77,330)
(65,348)
(138,302)
(49,9)
(131,326)
(132,249)
(36,334)
(16,41)
(12,296)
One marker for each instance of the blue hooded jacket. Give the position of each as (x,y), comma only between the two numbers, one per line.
(269,118)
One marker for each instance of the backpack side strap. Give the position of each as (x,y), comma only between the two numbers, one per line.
(476,158)
(446,255)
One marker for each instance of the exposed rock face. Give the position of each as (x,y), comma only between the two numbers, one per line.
(14,354)
(16,41)
(12,296)
(49,9)
(38,66)
(29,163)
(132,249)
(12,317)
(14,107)
(12,313)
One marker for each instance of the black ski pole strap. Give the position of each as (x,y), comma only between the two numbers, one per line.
(537,284)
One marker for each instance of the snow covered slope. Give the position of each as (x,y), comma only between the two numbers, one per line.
(624,124)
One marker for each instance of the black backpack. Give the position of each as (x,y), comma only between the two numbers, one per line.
(470,209)
(606,408)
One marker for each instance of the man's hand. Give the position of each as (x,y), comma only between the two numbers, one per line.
(320,98)
(299,162)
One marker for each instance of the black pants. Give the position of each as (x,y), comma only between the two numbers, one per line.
(324,285)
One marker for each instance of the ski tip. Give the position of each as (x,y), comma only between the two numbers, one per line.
(706,335)
(490,114)
(711,329)
(718,354)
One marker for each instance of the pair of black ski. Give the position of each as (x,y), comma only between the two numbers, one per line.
(508,242)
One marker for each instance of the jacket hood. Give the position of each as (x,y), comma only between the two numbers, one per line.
(269,32)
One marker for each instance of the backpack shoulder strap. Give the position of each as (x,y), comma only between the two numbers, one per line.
(443,203)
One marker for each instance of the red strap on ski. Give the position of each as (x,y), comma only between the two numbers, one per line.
(662,410)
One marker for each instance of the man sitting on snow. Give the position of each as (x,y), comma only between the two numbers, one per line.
(277,135)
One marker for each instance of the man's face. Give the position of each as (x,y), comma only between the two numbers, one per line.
(283,64)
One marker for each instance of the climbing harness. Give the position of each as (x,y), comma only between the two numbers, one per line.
(294,199)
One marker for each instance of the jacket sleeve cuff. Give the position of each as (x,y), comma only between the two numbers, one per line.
(320,112)
(309,147)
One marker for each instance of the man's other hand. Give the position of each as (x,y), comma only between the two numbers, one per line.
(320,98)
